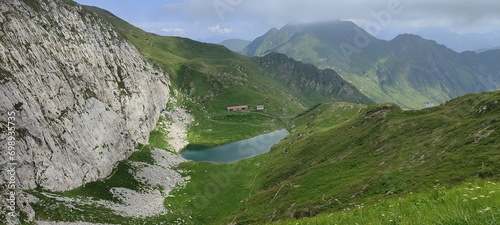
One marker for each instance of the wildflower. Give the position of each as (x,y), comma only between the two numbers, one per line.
(478,187)
(491,192)
(473,198)
(485,210)
(481,196)
(466,195)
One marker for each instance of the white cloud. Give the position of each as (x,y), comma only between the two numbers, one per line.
(219,29)
(452,14)
(176,30)
(162,27)
(248,19)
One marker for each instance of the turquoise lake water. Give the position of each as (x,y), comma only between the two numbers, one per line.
(235,151)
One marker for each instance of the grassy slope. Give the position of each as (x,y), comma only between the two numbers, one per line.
(332,161)
(383,150)
(216,191)
(475,202)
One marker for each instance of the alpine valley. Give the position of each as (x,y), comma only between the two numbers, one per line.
(96,111)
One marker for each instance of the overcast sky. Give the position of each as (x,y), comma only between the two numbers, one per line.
(248,19)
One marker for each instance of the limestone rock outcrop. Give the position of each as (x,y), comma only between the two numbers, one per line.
(83,95)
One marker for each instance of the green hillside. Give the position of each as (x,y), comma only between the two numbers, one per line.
(383,150)
(210,77)
(474,202)
(341,155)
(309,83)
(407,70)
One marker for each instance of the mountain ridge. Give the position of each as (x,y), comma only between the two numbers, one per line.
(458,42)
(235,45)
(376,67)
(307,80)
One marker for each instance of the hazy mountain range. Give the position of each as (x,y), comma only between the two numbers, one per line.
(455,41)
(408,69)
(236,45)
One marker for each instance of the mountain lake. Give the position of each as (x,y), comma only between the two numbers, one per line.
(235,151)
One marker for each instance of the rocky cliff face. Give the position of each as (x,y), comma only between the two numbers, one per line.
(83,95)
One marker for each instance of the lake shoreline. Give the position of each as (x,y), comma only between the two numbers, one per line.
(234,151)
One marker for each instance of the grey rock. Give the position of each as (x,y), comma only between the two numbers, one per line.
(136,204)
(163,174)
(157,181)
(83,96)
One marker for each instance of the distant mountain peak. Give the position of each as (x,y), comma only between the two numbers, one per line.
(413,38)
(235,45)
(333,33)
(319,23)
(416,41)
(407,35)
(333,24)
